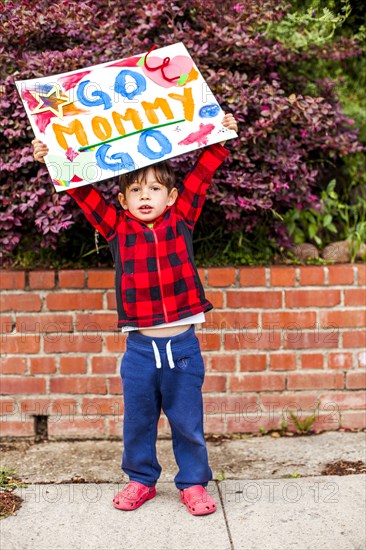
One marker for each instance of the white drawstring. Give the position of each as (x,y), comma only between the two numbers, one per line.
(168,352)
(157,355)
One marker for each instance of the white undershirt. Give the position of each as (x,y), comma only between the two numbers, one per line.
(192,320)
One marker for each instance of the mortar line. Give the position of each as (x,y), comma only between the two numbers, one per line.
(225,517)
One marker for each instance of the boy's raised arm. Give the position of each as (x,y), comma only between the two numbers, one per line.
(192,197)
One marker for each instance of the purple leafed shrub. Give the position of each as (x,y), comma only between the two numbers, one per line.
(286,138)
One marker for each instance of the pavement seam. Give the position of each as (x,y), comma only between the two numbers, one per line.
(225,518)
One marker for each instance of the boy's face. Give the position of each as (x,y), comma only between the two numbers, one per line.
(147,199)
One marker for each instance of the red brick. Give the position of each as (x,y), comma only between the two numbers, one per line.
(314,380)
(77,428)
(288,319)
(54,408)
(312,360)
(343,400)
(311,275)
(311,339)
(361,359)
(216,297)
(349,318)
(221,362)
(252,423)
(13,365)
(44,323)
(282,276)
(61,301)
(213,425)
(73,365)
(78,384)
(98,406)
(111,301)
(254,299)
(286,402)
(42,365)
(8,407)
(201,273)
(96,322)
(23,301)
(105,364)
(230,320)
(356,380)
(25,343)
(71,343)
(74,278)
(214,383)
(18,428)
(253,362)
(209,342)
(340,360)
(41,279)
(282,361)
(355,297)
(224,405)
(353,420)
(12,280)
(252,276)
(257,382)
(7,324)
(115,385)
(341,274)
(101,278)
(312,298)
(361,268)
(114,428)
(221,276)
(15,385)
(115,343)
(354,339)
(252,340)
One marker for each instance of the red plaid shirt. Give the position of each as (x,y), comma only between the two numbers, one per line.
(156,277)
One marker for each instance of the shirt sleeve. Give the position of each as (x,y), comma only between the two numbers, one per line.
(102,215)
(192,197)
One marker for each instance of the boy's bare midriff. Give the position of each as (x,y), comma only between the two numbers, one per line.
(164,332)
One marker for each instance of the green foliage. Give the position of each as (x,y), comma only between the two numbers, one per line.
(347,221)
(304,425)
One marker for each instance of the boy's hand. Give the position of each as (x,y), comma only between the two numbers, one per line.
(229,122)
(40,150)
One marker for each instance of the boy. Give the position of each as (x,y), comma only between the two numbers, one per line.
(159,300)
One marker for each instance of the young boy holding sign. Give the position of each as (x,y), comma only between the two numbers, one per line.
(159,300)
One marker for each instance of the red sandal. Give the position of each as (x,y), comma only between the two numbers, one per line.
(197,500)
(133,496)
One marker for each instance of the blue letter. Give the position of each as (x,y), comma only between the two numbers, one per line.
(144,149)
(103,98)
(209,111)
(126,162)
(120,84)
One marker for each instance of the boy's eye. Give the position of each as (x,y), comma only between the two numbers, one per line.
(134,189)
(156,188)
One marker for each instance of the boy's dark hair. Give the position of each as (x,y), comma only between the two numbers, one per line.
(163,172)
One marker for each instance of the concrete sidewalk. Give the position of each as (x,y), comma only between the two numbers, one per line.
(269,512)
(317,513)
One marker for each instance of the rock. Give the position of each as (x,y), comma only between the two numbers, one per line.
(341,252)
(304,251)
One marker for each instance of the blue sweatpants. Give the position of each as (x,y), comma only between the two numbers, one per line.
(164,373)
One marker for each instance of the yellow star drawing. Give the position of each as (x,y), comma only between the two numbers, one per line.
(52,101)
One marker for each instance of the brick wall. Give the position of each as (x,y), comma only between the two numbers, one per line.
(280,338)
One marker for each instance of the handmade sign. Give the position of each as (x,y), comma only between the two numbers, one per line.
(117,117)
